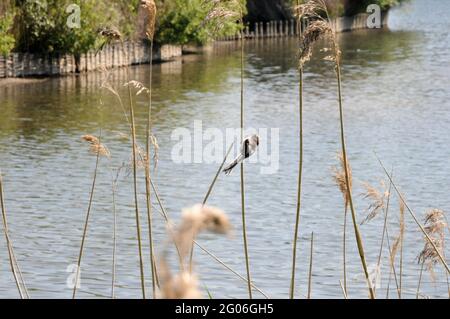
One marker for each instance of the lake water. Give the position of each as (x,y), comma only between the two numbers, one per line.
(396,99)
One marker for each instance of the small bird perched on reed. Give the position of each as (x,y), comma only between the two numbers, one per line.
(248,148)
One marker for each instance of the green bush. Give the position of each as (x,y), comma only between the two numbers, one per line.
(183,22)
(7,40)
(43,24)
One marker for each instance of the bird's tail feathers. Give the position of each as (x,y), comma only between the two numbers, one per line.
(227,170)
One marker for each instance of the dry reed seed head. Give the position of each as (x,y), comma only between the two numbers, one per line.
(377,198)
(311,9)
(339,178)
(222,11)
(138,86)
(195,220)
(435,224)
(110,33)
(91,139)
(315,30)
(95,146)
(183,285)
(206,218)
(149,7)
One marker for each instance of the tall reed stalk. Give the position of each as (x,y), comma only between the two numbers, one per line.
(150,8)
(244,227)
(86,221)
(339,178)
(17,274)
(114,250)
(310,266)
(383,235)
(300,169)
(402,236)
(135,184)
(349,191)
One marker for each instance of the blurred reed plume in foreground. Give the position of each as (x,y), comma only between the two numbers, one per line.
(196,219)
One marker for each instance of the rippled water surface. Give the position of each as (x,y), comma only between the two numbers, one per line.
(396,96)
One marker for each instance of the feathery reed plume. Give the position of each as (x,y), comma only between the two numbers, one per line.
(95,146)
(222,11)
(195,219)
(109,35)
(377,201)
(434,225)
(183,285)
(150,9)
(339,178)
(17,274)
(95,142)
(413,215)
(315,30)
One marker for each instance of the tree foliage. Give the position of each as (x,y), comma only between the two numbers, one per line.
(6,39)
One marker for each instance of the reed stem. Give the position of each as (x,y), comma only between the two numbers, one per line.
(148,177)
(420,280)
(299,185)
(344,250)
(422,229)
(244,227)
(113,277)
(135,186)
(349,191)
(386,211)
(310,266)
(86,223)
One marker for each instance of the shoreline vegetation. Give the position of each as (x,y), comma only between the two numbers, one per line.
(52,34)
(41,26)
(176,280)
